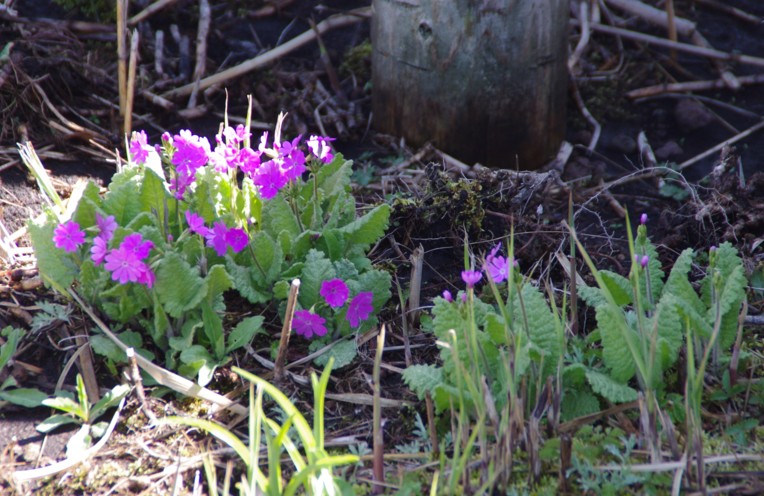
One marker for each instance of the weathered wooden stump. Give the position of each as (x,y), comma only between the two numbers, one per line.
(483,80)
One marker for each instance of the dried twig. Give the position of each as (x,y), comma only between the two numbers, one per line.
(274,54)
(205,14)
(122,54)
(715,149)
(733,11)
(714,84)
(149,11)
(286,330)
(130,93)
(378,441)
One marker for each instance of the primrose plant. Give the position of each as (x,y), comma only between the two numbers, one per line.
(183,222)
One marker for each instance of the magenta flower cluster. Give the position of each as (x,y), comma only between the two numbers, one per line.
(496,268)
(335,292)
(126,263)
(269,168)
(219,236)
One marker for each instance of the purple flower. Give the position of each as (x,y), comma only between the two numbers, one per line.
(270,178)
(147,276)
(139,147)
(360,308)
(447,296)
(293,159)
(643,219)
(134,243)
(106,226)
(98,250)
(216,238)
(307,324)
(68,236)
(471,277)
(191,153)
(319,147)
(497,267)
(237,239)
(124,265)
(335,292)
(644,261)
(196,223)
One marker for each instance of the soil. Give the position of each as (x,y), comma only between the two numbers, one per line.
(439,204)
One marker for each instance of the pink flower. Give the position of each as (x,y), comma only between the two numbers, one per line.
(196,223)
(124,265)
(319,147)
(497,267)
(270,178)
(447,296)
(139,147)
(237,239)
(471,277)
(248,160)
(98,250)
(335,292)
(216,238)
(307,324)
(293,159)
(106,226)
(68,236)
(360,308)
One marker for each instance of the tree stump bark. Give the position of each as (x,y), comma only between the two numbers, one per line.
(483,80)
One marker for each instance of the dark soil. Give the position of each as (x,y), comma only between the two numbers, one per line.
(77,72)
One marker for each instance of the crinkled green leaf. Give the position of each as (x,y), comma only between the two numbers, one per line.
(367,229)
(592,296)
(334,177)
(542,326)
(218,281)
(123,200)
(89,202)
(154,193)
(618,340)
(213,330)
(619,287)
(343,353)
(278,217)
(178,285)
(422,379)
(670,329)
(245,280)
(610,389)
(578,403)
(732,296)
(316,270)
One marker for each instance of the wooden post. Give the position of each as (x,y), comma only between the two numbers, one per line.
(483,80)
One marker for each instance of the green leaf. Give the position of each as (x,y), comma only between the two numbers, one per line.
(611,390)
(123,199)
(154,194)
(343,353)
(218,281)
(278,218)
(213,330)
(178,285)
(53,422)
(619,287)
(542,326)
(26,397)
(87,206)
(244,332)
(197,360)
(334,177)
(670,330)
(368,229)
(578,403)
(592,296)
(8,349)
(245,280)
(423,379)
(618,340)
(732,296)
(67,405)
(316,270)
(110,399)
